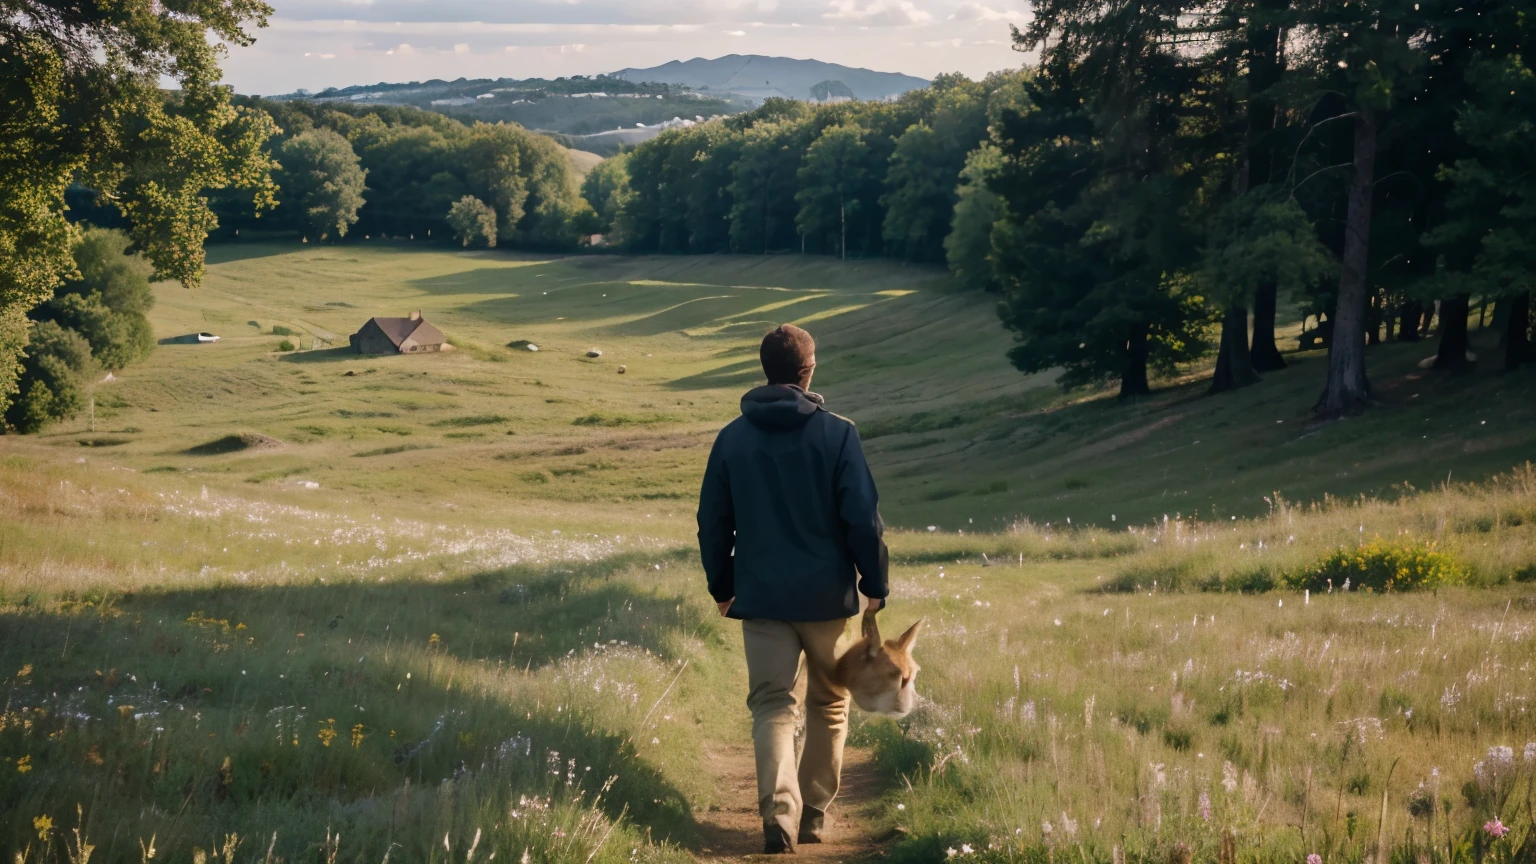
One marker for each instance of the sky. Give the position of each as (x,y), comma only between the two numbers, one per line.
(314,44)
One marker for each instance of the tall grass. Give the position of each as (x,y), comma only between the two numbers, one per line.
(1142,708)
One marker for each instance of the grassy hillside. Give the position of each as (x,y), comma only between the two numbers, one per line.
(344,608)
(957,437)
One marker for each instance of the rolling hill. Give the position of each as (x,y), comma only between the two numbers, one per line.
(758,77)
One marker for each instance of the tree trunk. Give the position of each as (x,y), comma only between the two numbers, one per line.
(1234,365)
(1408,324)
(1133,378)
(1265,68)
(1348,390)
(1453,333)
(1265,354)
(842,216)
(1373,322)
(1517,329)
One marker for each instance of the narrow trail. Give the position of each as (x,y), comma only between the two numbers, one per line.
(732,830)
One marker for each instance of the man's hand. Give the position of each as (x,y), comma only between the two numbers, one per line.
(875,605)
(725,606)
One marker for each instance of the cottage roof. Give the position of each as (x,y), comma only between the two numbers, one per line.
(400,329)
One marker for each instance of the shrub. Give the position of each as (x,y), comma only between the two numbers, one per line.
(1379,566)
(280,330)
(285,345)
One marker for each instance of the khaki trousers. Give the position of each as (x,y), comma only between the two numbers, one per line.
(784,660)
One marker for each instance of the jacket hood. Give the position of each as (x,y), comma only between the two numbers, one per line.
(777,407)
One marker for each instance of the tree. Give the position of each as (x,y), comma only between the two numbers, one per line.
(1256,242)
(920,201)
(977,209)
(53,375)
(81,100)
(473,222)
(830,177)
(763,206)
(106,305)
(1370,53)
(606,188)
(322,181)
(1092,251)
(1493,203)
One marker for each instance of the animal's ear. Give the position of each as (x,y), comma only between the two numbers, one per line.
(909,638)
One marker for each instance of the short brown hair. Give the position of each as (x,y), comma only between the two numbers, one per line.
(788,355)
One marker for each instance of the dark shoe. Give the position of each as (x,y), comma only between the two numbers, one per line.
(776,841)
(812,823)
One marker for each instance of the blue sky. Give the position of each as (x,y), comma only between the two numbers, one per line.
(321,43)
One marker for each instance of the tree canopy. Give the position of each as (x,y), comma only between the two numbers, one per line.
(321,180)
(81,99)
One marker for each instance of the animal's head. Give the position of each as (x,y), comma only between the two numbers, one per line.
(881,674)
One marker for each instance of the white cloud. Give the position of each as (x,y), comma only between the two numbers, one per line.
(735,32)
(877,13)
(461,48)
(973,11)
(404,48)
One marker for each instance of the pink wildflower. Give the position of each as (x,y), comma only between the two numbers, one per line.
(1314,858)
(1495,828)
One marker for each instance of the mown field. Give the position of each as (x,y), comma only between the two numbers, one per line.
(447,606)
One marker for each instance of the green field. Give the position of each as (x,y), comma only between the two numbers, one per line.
(412,601)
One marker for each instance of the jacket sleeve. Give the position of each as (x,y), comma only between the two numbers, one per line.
(858,510)
(717,528)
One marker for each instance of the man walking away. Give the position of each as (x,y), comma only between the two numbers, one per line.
(788,512)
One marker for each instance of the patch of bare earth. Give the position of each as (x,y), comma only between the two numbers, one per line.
(732,830)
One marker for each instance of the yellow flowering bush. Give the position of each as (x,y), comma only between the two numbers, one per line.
(1381,566)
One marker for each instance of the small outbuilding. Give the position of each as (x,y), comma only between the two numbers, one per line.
(411,335)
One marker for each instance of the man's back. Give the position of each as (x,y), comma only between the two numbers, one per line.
(787,489)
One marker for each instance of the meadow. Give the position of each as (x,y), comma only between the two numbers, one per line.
(265,605)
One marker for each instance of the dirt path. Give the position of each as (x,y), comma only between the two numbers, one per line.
(732,829)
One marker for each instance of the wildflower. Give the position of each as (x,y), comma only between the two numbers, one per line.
(1229,777)
(327,733)
(357,736)
(1205,806)
(1314,858)
(1530,751)
(24,764)
(24,673)
(965,849)
(1495,828)
(43,824)
(901,806)
(950,852)
(434,639)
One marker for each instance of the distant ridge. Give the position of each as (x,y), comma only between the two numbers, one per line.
(759,77)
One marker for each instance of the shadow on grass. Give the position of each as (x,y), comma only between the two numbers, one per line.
(303,707)
(330,355)
(742,376)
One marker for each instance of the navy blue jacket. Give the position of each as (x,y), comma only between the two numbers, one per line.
(789,511)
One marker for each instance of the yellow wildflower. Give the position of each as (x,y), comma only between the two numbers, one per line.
(24,764)
(43,825)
